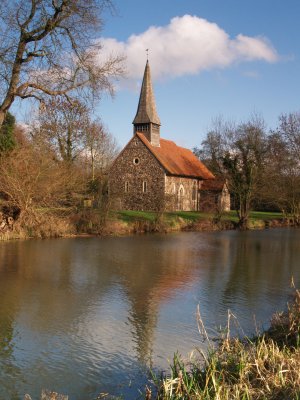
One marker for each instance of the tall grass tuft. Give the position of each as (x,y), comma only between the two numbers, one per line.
(264,367)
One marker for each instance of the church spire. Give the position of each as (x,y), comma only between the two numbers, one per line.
(147,120)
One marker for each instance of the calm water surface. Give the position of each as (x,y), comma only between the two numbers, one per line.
(87,316)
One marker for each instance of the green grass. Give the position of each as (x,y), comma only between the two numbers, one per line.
(254,215)
(131,216)
(193,216)
(265,215)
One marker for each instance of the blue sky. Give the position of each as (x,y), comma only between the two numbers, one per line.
(187,103)
(207,58)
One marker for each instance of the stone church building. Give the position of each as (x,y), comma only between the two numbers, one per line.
(155,174)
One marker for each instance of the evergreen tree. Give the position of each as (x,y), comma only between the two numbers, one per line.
(7,139)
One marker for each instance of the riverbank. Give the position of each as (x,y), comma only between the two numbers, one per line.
(143,222)
(70,223)
(264,367)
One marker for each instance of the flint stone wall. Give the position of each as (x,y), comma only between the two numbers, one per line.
(135,165)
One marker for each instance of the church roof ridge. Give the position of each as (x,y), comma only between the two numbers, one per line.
(146,111)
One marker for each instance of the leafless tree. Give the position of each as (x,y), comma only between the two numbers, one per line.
(62,125)
(289,130)
(48,48)
(216,143)
(100,147)
(282,177)
(237,153)
(68,129)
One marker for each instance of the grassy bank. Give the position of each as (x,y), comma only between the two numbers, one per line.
(188,220)
(265,367)
(71,222)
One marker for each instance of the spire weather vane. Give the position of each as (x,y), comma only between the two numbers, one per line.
(147,51)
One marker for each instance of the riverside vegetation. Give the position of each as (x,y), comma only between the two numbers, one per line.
(264,367)
(64,222)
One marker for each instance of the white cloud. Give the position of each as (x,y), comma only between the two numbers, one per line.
(188,45)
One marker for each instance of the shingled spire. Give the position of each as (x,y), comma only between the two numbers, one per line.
(146,120)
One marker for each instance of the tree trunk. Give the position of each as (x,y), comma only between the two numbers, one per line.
(14,80)
(243,223)
(243,213)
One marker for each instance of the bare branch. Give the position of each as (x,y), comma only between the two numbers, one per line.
(45,50)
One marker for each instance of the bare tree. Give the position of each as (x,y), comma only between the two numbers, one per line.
(63,126)
(282,178)
(237,153)
(46,50)
(69,131)
(289,130)
(216,143)
(100,147)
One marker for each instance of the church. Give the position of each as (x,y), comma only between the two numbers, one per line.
(154,174)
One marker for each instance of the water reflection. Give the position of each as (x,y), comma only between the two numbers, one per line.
(81,316)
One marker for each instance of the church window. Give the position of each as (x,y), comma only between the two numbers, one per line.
(136,161)
(126,187)
(144,186)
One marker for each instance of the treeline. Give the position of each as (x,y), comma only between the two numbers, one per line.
(261,166)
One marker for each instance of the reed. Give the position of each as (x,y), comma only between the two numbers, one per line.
(264,367)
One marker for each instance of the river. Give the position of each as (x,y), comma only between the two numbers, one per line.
(85,316)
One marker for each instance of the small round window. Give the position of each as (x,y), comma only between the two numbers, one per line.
(136,161)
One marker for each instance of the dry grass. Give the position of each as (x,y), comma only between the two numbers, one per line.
(50,226)
(266,367)
(43,225)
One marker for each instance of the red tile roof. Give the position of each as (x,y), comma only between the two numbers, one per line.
(177,160)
